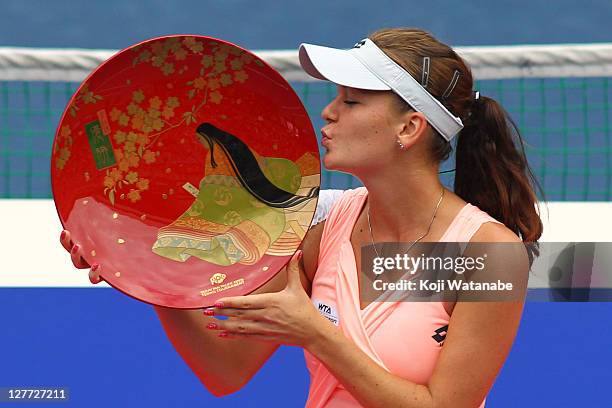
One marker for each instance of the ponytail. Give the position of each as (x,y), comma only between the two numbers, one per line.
(492,172)
(491,169)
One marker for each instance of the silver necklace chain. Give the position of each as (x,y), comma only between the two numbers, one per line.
(418,239)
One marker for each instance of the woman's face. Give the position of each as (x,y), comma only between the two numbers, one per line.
(361,131)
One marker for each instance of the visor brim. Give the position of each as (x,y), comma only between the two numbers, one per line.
(338,66)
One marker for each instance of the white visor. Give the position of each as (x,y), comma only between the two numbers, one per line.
(367,67)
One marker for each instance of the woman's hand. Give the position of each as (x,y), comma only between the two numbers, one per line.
(285,317)
(76,255)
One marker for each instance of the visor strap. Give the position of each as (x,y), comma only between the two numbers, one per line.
(408,88)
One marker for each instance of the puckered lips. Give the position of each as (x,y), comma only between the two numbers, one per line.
(325,138)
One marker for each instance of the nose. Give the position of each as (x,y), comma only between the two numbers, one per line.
(330,112)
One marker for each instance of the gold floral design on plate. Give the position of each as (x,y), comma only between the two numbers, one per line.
(138,125)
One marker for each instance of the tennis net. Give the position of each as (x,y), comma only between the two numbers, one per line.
(558,95)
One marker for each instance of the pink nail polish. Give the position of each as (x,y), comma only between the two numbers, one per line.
(75,249)
(63,235)
(211,326)
(223,334)
(95,267)
(209,312)
(296,256)
(219,305)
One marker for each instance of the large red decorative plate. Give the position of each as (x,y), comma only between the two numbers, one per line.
(188,169)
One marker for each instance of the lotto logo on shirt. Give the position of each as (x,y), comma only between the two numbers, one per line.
(327,311)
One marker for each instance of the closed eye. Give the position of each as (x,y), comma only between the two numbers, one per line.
(350,102)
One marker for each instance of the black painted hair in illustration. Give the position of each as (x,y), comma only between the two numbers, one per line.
(246,168)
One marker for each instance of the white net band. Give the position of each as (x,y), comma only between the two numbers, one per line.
(494,62)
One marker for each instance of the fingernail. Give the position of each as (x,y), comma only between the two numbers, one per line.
(297,255)
(209,312)
(75,248)
(95,267)
(219,305)
(63,235)
(223,334)
(211,326)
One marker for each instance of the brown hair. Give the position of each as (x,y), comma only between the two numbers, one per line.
(491,169)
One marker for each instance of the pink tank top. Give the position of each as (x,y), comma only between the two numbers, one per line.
(405,338)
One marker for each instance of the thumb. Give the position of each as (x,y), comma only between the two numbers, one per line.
(293,271)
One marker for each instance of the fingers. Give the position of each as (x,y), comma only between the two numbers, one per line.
(94,274)
(227,328)
(293,270)
(251,336)
(258,301)
(76,254)
(252,314)
(65,240)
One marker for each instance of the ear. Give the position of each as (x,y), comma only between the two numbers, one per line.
(411,127)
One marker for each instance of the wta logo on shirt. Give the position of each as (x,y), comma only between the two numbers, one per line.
(327,311)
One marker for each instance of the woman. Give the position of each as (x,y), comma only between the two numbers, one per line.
(402,97)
